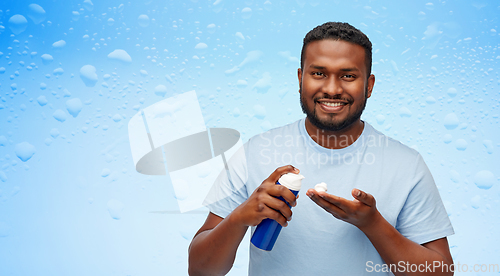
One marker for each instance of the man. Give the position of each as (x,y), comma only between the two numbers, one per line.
(404,231)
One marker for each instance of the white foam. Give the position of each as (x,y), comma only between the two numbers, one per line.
(321,187)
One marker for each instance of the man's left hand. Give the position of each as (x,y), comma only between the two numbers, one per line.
(360,212)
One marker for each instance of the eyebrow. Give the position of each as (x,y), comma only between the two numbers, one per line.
(349,69)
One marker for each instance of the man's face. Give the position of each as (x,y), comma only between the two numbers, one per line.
(334,84)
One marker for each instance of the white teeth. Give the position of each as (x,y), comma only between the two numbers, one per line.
(332,104)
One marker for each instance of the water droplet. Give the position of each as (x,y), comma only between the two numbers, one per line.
(59,115)
(266,125)
(454,176)
(42,100)
(3,176)
(36,13)
(241,83)
(211,28)
(404,112)
(48,141)
(74,106)
(3,141)
(111,21)
(18,24)
(54,133)
(58,71)
(47,59)
(115,208)
(59,44)
(452,92)
(43,86)
(488,144)
(143,20)
(246,13)
(461,144)
(88,5)
(120,55)
(268,5)
(260,111)
(236,112)
(105,172)
(75,15)
(24,151)
(447,138)
(201,47)
(88,75)
(240,37)
(430,100)
(451,121)
(143,73)
(484,179)
(15,190)
(2,70)
(264,84)
(380,119)
(117,118)
(475,201)
(160,90)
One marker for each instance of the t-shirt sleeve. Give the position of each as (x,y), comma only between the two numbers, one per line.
(229,189)
(423,217)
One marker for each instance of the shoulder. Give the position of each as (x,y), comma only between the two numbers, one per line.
(275,135)
(388,146)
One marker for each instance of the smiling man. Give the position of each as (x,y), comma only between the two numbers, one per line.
(382,213)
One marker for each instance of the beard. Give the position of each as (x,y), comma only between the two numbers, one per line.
(333,124)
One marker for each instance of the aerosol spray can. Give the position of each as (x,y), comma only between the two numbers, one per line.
(267,231)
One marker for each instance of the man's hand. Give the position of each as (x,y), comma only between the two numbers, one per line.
(360,212)
(263,203)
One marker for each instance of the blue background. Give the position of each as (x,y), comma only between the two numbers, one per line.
(71,202)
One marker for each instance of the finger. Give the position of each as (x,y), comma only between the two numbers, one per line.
(340,202)
(276,215)
(284,192)
(281,171)
(279,206)
(363,197)
(318,198)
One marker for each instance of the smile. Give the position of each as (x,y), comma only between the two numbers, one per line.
(331,107)
(332,104)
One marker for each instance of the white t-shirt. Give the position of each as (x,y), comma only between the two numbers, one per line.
(316,243)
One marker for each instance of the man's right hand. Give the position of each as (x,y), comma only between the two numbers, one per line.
(264,202)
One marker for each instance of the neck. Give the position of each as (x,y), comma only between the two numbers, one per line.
(335,139)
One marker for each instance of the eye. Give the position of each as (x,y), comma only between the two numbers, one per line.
(349,77)
(319,74)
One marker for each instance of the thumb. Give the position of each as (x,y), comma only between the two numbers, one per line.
(365,198)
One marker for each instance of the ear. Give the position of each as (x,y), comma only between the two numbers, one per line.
(371,83)
(299,75)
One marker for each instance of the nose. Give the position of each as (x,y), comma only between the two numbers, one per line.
(332,86)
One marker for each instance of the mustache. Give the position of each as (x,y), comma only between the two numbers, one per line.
(334,97)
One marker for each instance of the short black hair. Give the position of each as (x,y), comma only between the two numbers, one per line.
(339,31)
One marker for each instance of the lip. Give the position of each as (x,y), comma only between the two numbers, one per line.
(331,109)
